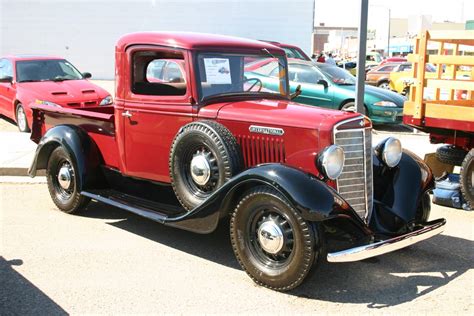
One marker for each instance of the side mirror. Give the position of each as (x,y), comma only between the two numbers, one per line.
(87,75)
(323,82)
(8,79)
(296,93)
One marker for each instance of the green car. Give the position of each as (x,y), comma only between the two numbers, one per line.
(332,87)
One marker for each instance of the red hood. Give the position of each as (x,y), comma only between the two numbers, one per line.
(277,112)
(63,93)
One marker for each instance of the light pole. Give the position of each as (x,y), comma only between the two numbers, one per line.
(360,84)
(388,36)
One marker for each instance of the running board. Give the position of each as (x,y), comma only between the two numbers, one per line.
(157,212)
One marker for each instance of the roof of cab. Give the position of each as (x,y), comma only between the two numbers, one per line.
(189,40)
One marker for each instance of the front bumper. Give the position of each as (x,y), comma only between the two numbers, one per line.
(371,250)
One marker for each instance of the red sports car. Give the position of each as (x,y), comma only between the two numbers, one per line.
(48,80)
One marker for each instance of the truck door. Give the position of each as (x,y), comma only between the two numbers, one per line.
(156,106)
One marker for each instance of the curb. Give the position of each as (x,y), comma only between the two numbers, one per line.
(18,171)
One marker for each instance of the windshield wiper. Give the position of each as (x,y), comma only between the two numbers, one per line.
(59,78)
(29,80)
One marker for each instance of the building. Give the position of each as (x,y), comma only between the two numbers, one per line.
(85,31)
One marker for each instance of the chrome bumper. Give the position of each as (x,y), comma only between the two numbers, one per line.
(371,250)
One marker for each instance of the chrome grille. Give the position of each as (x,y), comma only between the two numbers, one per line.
(355,182)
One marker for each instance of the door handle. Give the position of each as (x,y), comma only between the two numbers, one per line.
(127,114)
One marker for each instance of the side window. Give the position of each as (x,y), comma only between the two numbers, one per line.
(387,68)
(404,68)
(158,73)
(304,74)
(6,68)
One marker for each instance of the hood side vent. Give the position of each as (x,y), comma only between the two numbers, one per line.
(88,91)
(261,149)
(59,93)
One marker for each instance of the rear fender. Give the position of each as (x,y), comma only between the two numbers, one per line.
(84,153)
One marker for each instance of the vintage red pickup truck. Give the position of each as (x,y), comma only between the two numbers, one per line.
(191,141)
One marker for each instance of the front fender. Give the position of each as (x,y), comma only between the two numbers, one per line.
(311,197)
(398,193)
(84,153)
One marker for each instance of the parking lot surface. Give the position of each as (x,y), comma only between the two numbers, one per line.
(105,260)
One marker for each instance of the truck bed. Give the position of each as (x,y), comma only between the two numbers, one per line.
(98,122)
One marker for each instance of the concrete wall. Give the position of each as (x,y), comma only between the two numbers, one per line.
(85,31)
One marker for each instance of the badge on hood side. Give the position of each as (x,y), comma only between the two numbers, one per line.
(266,130)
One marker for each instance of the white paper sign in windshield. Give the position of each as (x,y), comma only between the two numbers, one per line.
(217,70)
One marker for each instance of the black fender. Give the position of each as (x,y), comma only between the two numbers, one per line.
(84,153)
(311,197)
(398,193)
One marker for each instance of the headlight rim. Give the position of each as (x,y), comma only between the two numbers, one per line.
(321,161)
(381,151)
(109,97)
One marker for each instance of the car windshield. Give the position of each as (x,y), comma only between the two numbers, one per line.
(46,70)
(226,74)
(293,53)
(338,75)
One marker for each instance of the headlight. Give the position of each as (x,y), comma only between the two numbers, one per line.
(331,161)
(386,103)
(389,151)
(107,100)
(47,103)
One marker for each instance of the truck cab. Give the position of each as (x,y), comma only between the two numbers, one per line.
(192,140)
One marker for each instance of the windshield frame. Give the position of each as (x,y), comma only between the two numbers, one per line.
(81,76)
(204,100)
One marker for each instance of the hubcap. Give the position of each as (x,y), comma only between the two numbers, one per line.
(270,237)
(64,176)
(200,168)
(21,118)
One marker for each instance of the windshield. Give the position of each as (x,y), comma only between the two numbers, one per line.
(221,74)
(338,75)
(46,70)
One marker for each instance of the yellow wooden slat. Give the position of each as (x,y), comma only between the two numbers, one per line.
(412,57)
(450,84)
(409,108)
(442,111)
(420,75)
(439,68)
(451,102)
(451,60)
(451,35)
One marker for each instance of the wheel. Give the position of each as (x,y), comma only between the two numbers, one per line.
(21,119)
(351,107)
(384,85)
(62,182)
(450,154)
(467,178)
(204,156)
(271,241)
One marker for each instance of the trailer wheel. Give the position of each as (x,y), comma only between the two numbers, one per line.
(63,183)
(450,155)
(204,156)
(467,178)
(272,242)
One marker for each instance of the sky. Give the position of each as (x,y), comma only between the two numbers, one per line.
(345,13)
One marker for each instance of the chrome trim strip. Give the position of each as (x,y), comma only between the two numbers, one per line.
(389,245)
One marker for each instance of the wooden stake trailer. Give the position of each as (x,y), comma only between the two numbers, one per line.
(448,116)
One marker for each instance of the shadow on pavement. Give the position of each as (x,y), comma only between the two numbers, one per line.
(393,128)
(18,296)
(388,280)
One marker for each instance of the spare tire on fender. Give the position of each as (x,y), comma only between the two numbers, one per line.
(204,155)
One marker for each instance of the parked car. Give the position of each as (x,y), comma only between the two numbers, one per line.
(400,79)
(379,76)
(331,87)
(393,60)
(291,51)
(372,59)
(50,80)
(297,183)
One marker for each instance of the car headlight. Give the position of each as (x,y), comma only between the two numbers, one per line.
(47,103)
(107,100)
(386,103)
(389,151)
(331,161)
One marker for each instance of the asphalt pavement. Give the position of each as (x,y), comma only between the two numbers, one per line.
(107,261)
